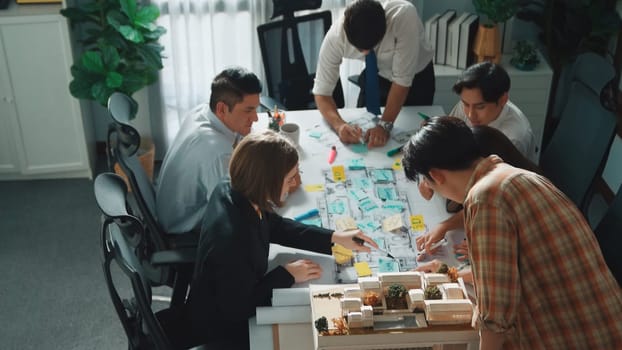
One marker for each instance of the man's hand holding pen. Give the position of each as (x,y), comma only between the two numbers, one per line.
(349,133)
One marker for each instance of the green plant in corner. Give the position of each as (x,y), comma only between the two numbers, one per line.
(121,49)
(495,11)
(525,55)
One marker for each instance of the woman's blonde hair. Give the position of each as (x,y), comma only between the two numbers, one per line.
(259,165)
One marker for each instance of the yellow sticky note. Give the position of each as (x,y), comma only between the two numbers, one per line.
(416,222)
(339,173)
(362,269)
(314,188)
(397,164)
(339,249)
(342,255)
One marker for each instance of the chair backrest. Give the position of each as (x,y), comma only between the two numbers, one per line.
(290,66)
(121,135)
(123,142)
(580,144)
(121,237)
(609,235)
(112,198)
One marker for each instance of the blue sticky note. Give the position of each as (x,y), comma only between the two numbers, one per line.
(361,183)
(379,242)
(357,164)
(388,265)
(336,207)
(382,175)
(394,206)
(358,148)
(367,205)
(315,134)
(357,194)
(368,225)
(386,193)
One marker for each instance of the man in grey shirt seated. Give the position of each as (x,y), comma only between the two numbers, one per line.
(199,156)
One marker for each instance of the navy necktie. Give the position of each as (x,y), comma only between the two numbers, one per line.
(372,93)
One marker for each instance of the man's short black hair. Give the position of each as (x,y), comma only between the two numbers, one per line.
(492,80)
(442,143)
(231,85)
(364,23)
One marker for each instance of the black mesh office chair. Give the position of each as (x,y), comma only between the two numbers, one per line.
(123,142)
(580,144)
(124,241)
(289,65)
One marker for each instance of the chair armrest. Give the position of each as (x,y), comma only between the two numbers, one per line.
(174,257)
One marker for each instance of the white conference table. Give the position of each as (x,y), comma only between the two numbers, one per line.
(287,324)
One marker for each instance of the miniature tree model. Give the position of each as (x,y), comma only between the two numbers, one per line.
(321,324)
(396,297)
(432,293)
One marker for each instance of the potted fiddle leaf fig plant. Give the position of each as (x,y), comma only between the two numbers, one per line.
(120,46)
(487,46)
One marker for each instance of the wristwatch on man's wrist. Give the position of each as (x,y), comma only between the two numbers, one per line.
(387,126)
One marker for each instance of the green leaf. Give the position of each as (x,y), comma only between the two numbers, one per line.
(151,55)
(129,8)
(92,61)
(154,34)
(80,89)
(116,19)
(110,57)
(147,15)
(101,92)
(131,34)
(114,80)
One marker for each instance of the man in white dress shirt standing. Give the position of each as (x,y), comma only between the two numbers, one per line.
(393,33)
(199,156)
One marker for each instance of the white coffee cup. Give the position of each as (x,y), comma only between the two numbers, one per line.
(291,131)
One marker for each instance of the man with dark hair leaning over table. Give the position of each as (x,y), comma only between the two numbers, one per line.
(199,156)
(389,37)
(540,279)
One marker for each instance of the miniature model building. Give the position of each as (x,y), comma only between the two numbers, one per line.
(370,304)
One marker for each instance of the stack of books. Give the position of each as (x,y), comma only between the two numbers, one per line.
(452,36)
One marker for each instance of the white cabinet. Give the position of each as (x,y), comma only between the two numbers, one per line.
(529,91)
(42,130)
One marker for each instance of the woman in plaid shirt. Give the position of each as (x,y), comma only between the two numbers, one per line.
(541,281)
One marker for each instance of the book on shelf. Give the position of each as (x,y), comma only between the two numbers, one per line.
(441,41)
(431,25)
(453,39)
(468,30)
(507,42)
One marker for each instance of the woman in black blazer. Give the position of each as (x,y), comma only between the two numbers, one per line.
(230,273)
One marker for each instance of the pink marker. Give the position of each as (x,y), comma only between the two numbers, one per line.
(332,155)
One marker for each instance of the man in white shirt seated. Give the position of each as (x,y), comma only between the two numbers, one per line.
(484,100)
(199,156)
(394,33)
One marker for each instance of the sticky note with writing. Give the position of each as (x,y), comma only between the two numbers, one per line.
(416,222)
(339,173)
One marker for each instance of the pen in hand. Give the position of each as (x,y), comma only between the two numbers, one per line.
(362,242)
